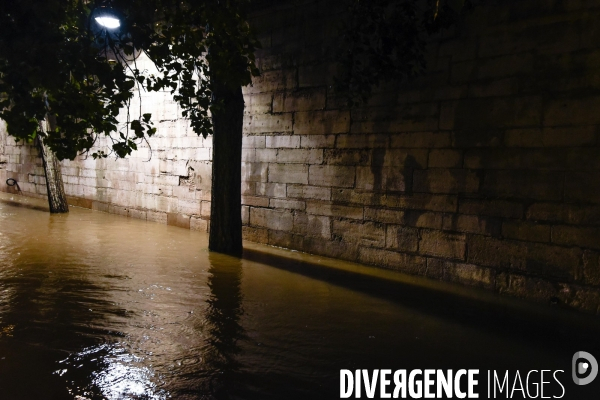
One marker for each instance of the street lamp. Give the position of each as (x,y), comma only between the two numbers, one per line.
(108,22)
(106,17)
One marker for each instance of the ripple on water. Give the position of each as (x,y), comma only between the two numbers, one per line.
(98,306)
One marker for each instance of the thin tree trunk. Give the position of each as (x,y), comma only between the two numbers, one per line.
(57,199)
(226,204)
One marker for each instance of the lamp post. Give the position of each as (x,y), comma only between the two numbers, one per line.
(106,16)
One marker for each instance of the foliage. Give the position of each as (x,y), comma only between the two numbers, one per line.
(385,40)
(54,58)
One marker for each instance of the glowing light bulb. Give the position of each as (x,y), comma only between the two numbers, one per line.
(108,22)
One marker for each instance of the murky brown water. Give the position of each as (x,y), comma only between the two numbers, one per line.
(99,306)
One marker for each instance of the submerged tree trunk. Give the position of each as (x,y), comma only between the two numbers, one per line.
(57,199)
(226,204)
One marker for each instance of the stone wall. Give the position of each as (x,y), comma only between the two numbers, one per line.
(167,180)
(484,172)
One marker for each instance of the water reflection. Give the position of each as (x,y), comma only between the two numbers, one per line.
(140,364)
(116,374)
(223,326)
(95,306)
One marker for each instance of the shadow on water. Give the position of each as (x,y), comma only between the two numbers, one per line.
(514,318)
(24,204)
(220,376)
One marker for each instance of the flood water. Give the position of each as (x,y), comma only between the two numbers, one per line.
(97,306)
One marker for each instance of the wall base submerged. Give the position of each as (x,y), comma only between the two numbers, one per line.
(485,171)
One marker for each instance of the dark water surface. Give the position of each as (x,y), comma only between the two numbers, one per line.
(97,306)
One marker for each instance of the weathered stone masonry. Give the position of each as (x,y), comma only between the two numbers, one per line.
(484,172)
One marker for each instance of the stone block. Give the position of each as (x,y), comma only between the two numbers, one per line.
(277,190)
(421,201)
(248,189)
(312,225)
(255,201)
(408,117)
(445,158)
(575,110)
(245,215)
(267,123)
(466,274)
(582,236)
(523,230)
(538,259)
(494,88)
(524,184)
(442,244)
(583,298)
(258,235)
(188,207)
(302,100)
(511,158)
(446,181)
(81,202)
(583,158)
(531,137)
(254,142)
(271,219)
(205,209)
(321,122)
(591,267)
(582,187)
(316,75)
(361,141)
(482,225)
(258,103)
(423,219)
(331,176)
(491,112)
(198,224)
(382,179)
(286,240)
(122,211)
(283,141)
(347,157)
(564,213)
(281,204)
(421,140)
(300,156)
(265,155)
(254,172)
(101,206)
(569,136)
(384,215)
(138,214)
(317,141)
(272,81)
(333,210)
(402,238)
(493,208)
(508,65)
(525,287)
(362,233)
(309,192)
(178,220)
(402,262)
(288,173)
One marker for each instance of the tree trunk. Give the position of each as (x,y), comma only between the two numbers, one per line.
(57,200)
(226,203)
